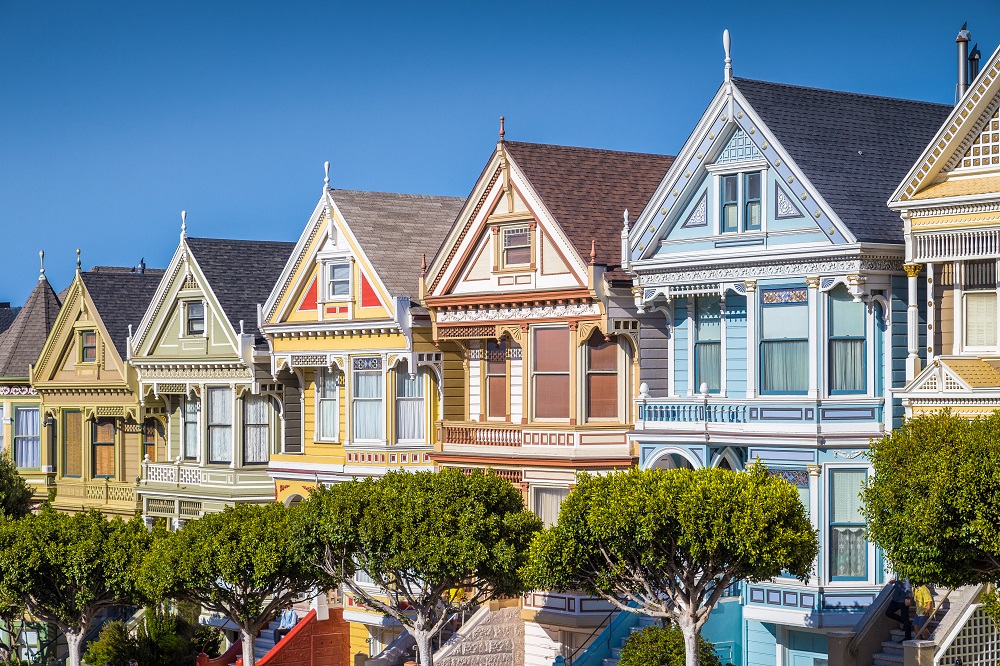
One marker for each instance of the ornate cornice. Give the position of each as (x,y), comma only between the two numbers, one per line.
(9,389)
(508,314)
(745,270)
(953,209)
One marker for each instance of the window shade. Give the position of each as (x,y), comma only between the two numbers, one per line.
(73,443)
(220,425)
(785,322)
(551,351)
(981,319)
(847,318)
(256,429)
(845,501)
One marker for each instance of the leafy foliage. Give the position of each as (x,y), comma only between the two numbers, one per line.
(15,494)
(164,638)
(421,537)
(663,646)
(933,501)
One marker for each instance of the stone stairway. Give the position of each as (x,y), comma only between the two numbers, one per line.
(616,652)
(892,649)
(496,640)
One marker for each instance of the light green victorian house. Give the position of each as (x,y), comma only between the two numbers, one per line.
(198,352)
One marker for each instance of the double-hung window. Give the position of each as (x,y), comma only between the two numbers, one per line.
(220,424)
(496,380)
(152,434)
(602,378)
(409,404)
(847,343)
(196,318)
(88,346)
(328,408)
(190,428)
(550,373)
(104,431)
(256,430)
(73,443)
(339,280)
(848,546)
(546,503)
(784,346)
(741,202)
(369,410)
(980,303)
(708,343)
(516,246)
(27,438)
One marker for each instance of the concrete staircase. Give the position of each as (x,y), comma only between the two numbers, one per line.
(891,653)
(488,638)
(616,652)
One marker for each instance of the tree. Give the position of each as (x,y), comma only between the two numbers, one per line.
(15,494)
(663,646)
(164,637)
(65,570)
(238,563)
(436,543)
(669,542)
(933,501)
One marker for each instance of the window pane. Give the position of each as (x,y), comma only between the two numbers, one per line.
(152,436)
(552,396)
(368,384)
(496,389)
(847,365)
(602,396)
(730,221)
(104,460)
(190,428)
(729,189)
(752,186)
(845,499)
(981,319)
(785,322)
(340,272)
(708,361)
(328,384)
(104,431)
(785,366)
(369,415)
(256,431)
(27,442)
(517,256)
(708,319)
(220,406)
(551,353)
(751,219)
(73,443)
(517,237)
(848,552)
(328,418)
(220,421)
(547,503)
(602,356)
(847,318)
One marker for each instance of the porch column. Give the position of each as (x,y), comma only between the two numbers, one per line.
(751,288)
(815,360)
(912,339)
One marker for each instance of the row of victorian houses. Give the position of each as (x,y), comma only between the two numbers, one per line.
(581,310)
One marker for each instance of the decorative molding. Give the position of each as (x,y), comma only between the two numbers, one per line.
(452,332)
(954,209)
(784,204)
(782,296)
(587,328)
(17,390)
(739,148)
(367,363)
(513,330)
(738,271)
(506,314)
(912,270)
(964,148)
(187,372)
(699,215)
(850,455)
(458,241)
(298,262)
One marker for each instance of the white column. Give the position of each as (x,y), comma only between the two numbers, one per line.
(236,434)
(912,339)
(929,317)
(722,343)
(815,358)
(814,514)
(752,347)
(692,314)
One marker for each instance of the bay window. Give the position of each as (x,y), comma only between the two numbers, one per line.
(328,411)
(409,404)
(190,434)
(550,373)
(602,378)
(848,546)
(27,438)
(847,343)
(496,380)
(104,431)
(256,430)
(784,346)
(220,425)
(368,412)
(708,343)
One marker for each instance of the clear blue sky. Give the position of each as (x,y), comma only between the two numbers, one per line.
(114,116)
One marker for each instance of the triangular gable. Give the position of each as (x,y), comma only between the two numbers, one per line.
(504,198)
(731,133)
(937,378)
(953,149)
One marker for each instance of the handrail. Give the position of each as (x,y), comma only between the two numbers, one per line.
(596,629)
(224,659)
(933,613)
(874,612)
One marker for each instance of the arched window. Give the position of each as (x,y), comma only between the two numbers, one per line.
(410,412)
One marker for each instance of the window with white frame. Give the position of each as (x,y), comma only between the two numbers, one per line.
(516,245)
(708,343)
(784,341)
(195,318)
(219,401)
(846,360)
(338,277)
(546,502)
(27,438)
(368,399)
(328,409)
(190,434)
(979,296)
(740,203)
(256,429)
(848,546)
(410,419)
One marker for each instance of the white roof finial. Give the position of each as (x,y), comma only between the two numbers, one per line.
(729,59)
(79,264)
(326,178)
(41,260)
(626,219)
(184,224)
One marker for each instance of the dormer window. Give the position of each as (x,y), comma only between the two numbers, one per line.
(741,202)
(196,318)
(88,347)
(516,246)
(339,281)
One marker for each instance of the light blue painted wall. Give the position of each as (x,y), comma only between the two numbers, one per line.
(725,630)
(736,346)
(761,643)
(681,333)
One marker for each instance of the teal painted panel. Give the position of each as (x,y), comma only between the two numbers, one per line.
(736,346)
(724,630)
(761,643)
(807,642)
(681,333)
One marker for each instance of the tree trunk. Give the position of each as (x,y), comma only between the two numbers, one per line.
(425,653)
(249,643)
(691,655)
(74,641)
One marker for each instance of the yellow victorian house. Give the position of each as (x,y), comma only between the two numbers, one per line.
(351,345)
(89,393)
(950,207)
(22,433)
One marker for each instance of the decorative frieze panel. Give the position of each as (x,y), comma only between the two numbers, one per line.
(308,361)
(195,372)
(368,363)
(740,271)
(17,390)
(459,332)
(780,296)
(506,314)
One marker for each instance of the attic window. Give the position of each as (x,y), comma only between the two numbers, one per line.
(741,202)
(339,280)
(196,318)
(88,346)
(516,246)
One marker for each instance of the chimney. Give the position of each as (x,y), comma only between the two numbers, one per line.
(142,265)
(974,56)
(963,62)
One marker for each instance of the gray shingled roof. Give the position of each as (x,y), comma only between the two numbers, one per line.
(21,343)
(121,296)
(396,229)
(7,316)
(241,274)
(855,149)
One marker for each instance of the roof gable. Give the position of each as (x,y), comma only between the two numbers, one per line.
(21,343)
(121,296)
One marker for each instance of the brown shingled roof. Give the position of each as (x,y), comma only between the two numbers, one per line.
(23,341)
(588,189)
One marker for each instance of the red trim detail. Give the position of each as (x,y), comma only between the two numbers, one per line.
(309,300)
(369,299)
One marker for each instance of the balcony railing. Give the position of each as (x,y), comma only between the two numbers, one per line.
(483,435)
(170,473)
(694,413)
(100,491)
(761,411)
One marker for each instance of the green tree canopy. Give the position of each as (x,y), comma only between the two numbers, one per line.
(933,501)
(15,494)
(663,646)
(670,542)
(239,563)
(421,537)
(66,569)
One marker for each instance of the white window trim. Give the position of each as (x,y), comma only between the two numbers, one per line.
(384,439)
(824,553)
(503,248)
(327,263)
(318,424)
(185,304)
(199,458)
(235,420)
(740,169)
(422,377)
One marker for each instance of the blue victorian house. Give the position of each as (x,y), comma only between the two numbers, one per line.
(769,250)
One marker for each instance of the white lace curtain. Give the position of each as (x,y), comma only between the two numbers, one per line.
(220,425)
(27,440)
(190,428)
(409,404)
(848,547)
(369,414)
(256,429)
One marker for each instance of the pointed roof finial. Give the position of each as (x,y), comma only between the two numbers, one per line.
(726,44)
(423,264)
(41,260)
(184,224)
(79,265)
(501,129)
(326,177)
(593,251)
(626,219)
